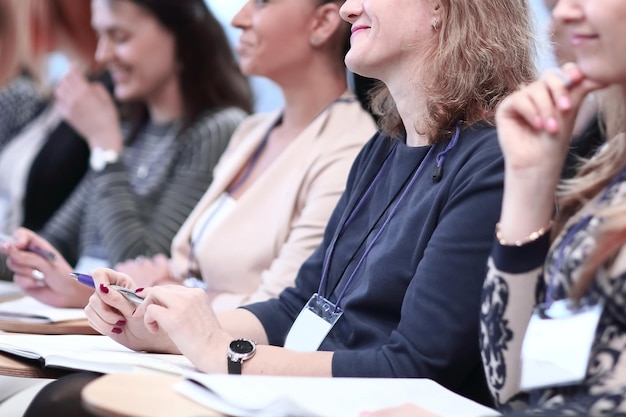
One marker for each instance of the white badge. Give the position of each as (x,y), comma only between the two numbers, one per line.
(558,343)
(312,325)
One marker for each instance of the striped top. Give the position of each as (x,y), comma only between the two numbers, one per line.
(135,206)
(20,102)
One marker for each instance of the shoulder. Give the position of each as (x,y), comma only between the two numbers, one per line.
(228,117)
(20,94)
(347,123)
(476,150)
(371,156)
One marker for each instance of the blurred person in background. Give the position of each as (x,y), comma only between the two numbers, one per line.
(150,166)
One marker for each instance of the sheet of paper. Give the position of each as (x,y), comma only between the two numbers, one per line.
(28,309)
(261,396)
(9,291)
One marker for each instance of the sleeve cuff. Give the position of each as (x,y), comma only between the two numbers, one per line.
(520,259)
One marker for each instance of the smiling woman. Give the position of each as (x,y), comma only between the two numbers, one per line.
(149,167)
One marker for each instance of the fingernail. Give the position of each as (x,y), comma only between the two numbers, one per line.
(564,103)
(104,289)
(120,322)
(552,125)
(116,330)
(139,290)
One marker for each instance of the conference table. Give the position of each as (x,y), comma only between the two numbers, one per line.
(140,395)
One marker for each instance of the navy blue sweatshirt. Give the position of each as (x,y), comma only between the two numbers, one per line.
(412,308)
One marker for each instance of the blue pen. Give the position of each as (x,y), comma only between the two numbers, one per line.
(31,248)
(88,280)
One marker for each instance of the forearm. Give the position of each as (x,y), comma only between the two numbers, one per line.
(268,360)
(241,323)
(528,203)
(507,301)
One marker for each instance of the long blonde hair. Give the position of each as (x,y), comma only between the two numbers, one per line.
(594,175)
(485,51)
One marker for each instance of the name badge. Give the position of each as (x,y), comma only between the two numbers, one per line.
(312,324)
(557,344)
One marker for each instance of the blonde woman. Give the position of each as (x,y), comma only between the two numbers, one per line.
(582,270)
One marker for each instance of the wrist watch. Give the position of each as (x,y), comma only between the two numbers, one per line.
(238,351)
(100,158)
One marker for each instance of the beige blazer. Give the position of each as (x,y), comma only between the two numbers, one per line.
(254,252)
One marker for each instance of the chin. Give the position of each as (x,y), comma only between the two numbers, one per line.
(359,68)
(125,94)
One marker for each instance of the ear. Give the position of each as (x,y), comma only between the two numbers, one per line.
(325,22)
(436,10)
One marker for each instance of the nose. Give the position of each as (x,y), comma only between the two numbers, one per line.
(351,10)
(242,18)
(104,51)
(567,11)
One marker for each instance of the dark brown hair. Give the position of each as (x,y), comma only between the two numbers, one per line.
(209,75)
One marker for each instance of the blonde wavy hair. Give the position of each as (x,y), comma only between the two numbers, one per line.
(485,50)
(594,175)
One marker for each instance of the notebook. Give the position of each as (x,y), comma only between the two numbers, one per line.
(275,396)
(90,353)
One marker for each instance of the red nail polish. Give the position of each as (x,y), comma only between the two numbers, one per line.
(104,289)
(120,322)
(139,290)
(116,330)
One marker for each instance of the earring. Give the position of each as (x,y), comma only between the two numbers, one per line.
(315,41)
(436,25)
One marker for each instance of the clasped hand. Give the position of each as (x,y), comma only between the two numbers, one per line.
(535,123)
(172,319)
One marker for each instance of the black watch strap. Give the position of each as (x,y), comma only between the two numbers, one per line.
(234,367)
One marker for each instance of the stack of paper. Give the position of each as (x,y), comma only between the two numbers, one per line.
(29,310)
(9,291)
(273,396)
(90,353)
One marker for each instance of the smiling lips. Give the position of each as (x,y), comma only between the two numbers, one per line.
(579,39)
(358,28)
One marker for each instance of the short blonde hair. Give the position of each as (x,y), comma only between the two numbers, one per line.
(486,49)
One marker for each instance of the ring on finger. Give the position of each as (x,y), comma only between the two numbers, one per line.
(38,275)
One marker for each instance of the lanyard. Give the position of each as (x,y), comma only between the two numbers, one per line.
(360,202)
(571,233)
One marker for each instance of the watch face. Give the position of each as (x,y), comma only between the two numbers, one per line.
(241,346)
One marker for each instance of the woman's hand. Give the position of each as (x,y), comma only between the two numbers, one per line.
(111,314)
(186,316)
(89,108)
(534,129)
(148,272)
(535,123)
(44,279)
